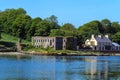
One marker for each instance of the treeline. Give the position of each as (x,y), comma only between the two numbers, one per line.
(18,23)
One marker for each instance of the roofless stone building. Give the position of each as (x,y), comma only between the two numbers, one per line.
(57,43)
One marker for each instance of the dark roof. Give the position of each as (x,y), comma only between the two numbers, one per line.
(102,39)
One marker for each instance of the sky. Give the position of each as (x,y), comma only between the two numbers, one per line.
(76,12)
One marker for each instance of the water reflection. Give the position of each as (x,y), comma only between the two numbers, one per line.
(92,68)
(60,68)
(97,69)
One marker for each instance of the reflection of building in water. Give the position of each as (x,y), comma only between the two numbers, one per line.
(91,66)
(96,70)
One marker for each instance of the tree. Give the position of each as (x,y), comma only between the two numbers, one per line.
(69,29)
(20,27)
(115,27)
(57,32)
(53,22)
(87,30)
(68,26)
(43,28)
(116,37)
(34,24)
(107,25)
(8,16)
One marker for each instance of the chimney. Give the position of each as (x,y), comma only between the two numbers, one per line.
(106,36)
(92,36)
(99,36)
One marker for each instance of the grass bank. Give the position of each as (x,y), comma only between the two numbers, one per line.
(8,42)
(50,51)
(12,39)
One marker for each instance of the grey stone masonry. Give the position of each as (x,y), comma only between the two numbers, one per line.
(57,43)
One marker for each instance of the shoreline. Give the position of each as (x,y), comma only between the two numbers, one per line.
(83,53)
(12,53)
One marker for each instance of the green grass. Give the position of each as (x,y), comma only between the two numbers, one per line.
(49,50)
(9,42)
(12,39)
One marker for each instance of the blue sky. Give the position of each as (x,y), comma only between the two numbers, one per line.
(76,12)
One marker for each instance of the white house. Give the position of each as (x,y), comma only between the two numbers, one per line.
(100,43)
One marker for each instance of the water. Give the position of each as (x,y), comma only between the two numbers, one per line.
(60,68)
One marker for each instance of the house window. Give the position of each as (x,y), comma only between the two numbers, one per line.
(100,48)
(95,48)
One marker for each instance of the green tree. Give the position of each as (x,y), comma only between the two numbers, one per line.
(20,27)
(115,27)
(116,37)
(87,30)
(68,26)
(69,29)
(53,22)
(57,32)
(8,16)
(34,24)
(106,23)
(43,28)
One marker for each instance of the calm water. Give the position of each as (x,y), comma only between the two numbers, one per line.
(60,68)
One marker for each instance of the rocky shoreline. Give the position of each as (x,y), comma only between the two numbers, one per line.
(11,53)
(62,54)
(75,54)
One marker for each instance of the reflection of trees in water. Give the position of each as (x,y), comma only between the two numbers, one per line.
(70,58)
